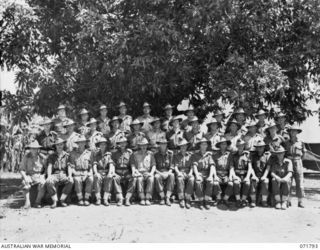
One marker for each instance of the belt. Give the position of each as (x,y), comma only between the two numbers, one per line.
(80,172)
(295,157)
(60,172)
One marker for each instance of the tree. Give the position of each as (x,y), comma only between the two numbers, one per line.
(249,53)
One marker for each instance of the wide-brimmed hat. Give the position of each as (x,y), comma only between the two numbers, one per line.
(84,111)
(121,104)
(143,142)
(103,107)
(239,111)
(218,112)
(212,121)
(136,122)
(91,121)
(121,139)
(168,106)
(58,141)
(271,125)
(251,124)
(115,118)
(259,143)
(175,118)
(162,141)
(155,119)
(61,106)
(81,138)
(182,142)
(295,127)
(280,114)
(194,119)
(203,139)
(240,142)
(234,121)
(222,140)
(260,112)
(68,122)
(278,150)
(190,108)
(34,144)
(46,121)
(146,104)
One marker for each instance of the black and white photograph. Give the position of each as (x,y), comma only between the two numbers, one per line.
(160,121)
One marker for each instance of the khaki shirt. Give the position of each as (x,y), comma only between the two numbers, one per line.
(121,161)
(70,141)
(146,127)
(164,161)
(173,138)
(182,162)
(32,165)
(259,163)
(223,163)
(142,162)
(280,169)
(240,163)
(295,150)
(59,163)
(134,138)
(154,136)
(102,161)
(80,162)
(125,124)
(203,163)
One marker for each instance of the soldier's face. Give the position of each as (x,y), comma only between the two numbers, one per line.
(281,120)
(190,113)
(203,146)
(122,145)
(195,125)
(84,117)
(143,148)
(233,127)
(184,148)
(162,147)
(46,127)
(62,112)
(214,126)
(93,126)
(280,156)
(70,128)
(81,145)
(168,112)
(103,146)
(59,147)
(103,112)
(219,118)
(273,130)
(240,117)
(175,123)
(136,127)
(260,150)
(240,148)
(261,118)
(115,124)
(157,125)
(293,133)
(223,146)
(146,110)
(123,110)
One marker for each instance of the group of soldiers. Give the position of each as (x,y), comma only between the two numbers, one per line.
(253,161)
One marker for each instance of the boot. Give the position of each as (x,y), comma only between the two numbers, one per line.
(206,205)
(86,203)
(54,204)
(162,202)
(120,202)
(278,205)
(284,205)
(127,202)
(188,204)
(106,202)
(300,204)
(98,202)
(182,203)
(147,202)
(168,202)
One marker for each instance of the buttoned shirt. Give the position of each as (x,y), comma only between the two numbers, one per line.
(193,138)
(143,162)
(202,162)
(173,138)
(222,163)
(125,124)
(213,137)
(281,169)
(164,160)
(102,161)
(80,162)
(32,165)
(259,163)
(121,161)
(240,163)
(59,162)
(182,162)
(146,119)
(134,138)
(104,125)
(155,136)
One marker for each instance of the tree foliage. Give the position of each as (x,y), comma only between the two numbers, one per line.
(250,53)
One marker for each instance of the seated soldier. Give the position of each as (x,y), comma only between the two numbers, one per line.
(101,160)
(281,174)
(32,172)
(59,174)
(80,162)
(260,172)
(203,166)
(184,174)
(143,167)
(241,169)
(222,173)
(164,172)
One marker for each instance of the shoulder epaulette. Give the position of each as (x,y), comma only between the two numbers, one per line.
(107,153)
(208,153)
(129,150)
(170,152)
(247,153)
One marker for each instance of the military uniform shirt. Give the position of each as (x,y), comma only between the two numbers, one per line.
(32,165)
(80,161)
(59,163)
(125,124)
(222,162)
(173,138)
(202,162)
(182,162)
(164,161)
(259,163)
(134,138)
(240,163)
(294,149)
(121,161)
(142,162)
(102,161)
(280,169)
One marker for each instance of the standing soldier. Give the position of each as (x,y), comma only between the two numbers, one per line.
(103,121)
(80,162)
(233,133)
(62,116)
(272,139)
(185,124)
(115,133)
(261,124)
(83,129)
(70,136)
(282,125)
(281,174)
(222,173)
(32,172)
(146,118)
(184,174)
(213,134)
(46,137)
(93,135)
(220,116)
(126,119)
(121,171)
(252,136)
(168,109)
(260,172)
(295,152)
(194,135)
(203,167)
(136,134)
(102,177)
(240,116)
(164,172)
(59,174)
(156,133)
(174,134)
(241,169)
(143,167)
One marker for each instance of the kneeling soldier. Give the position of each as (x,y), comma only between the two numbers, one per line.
(184,172)
(59,174)
(121,170)
(101,172)
(164,172)
(143,167)
(260,172)
(31,170)
(80,161)
(281,173)
(222,173)
(241,170)
(203,167)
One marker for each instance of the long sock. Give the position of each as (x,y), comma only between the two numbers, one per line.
(277,198)
(264,197)
(63,197)
(238,197)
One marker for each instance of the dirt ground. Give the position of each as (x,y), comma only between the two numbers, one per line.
(156,223)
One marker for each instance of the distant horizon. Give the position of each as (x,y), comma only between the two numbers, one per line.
(310,127)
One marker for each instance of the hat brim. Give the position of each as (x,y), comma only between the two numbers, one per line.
(277,152)
(208,124)
(119,120)
(219,143)
(57,143)
(184,144)
(176,119)
(296,129)
(141,124)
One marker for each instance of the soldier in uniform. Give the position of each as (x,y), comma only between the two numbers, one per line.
(168,109)
(241,169)
(260,172)
(252,136)
(59,120)
(203,167)
(80,162)
(282,125)
(185,124)
(103,121)
(59,174)
(213,134)
(174,134)
(261,124)
(194,135)
(46,137)
(70,135)
(295,152)
(136,134)
(156,133)
(102,177)
(233,133)
(126,119)
(93,135)
(222,173)
(121,171)
(272,139)
(220,116)
(146,118)
(184,174)
(281,174)
(32,172)
(143,167)
(83,129)
(115,133)
(164,172)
